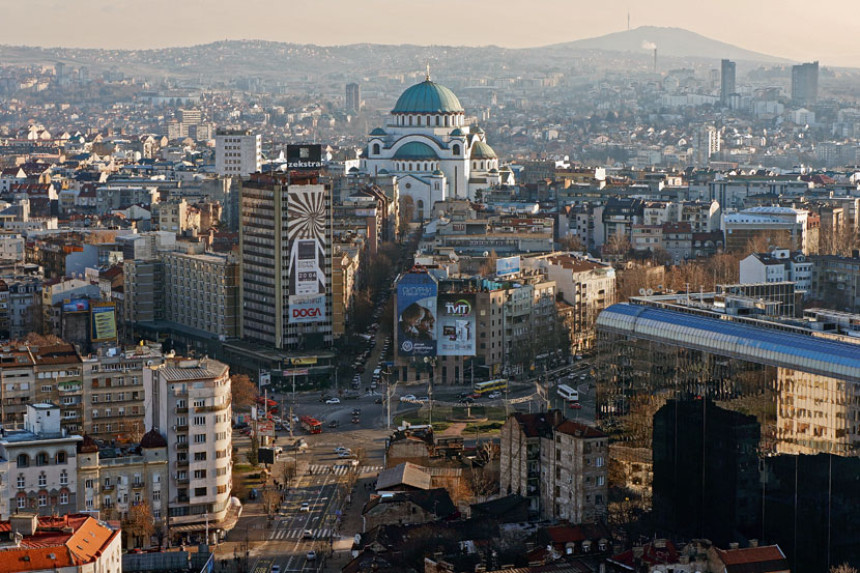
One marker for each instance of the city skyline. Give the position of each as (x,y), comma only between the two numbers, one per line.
(87,24)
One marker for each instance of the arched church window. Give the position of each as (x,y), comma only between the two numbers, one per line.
(410,120)
(474,165)
(456,149)
(446,121)
(419,120)
(420,208)
(437,121)
(376,149)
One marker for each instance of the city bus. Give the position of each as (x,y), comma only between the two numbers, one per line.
(311,425)
(483,388)
(568,393)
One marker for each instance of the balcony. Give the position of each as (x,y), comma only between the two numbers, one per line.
(182,446)
(181,410)
(137,485)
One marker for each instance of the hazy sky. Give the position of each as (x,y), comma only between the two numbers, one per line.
(796,29)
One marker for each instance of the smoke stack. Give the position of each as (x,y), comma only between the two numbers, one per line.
(655,59)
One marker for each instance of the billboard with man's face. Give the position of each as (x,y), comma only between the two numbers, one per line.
(416,315)
(455,325)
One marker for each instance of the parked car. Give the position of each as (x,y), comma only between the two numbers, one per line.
(340,449)
(575,406)
(378,400)
(276,568)
(312,555)
(333,401)
(305,507)
(356,411)
(494,395)
(408,397)
(356,420)
(344,454)
(308,534)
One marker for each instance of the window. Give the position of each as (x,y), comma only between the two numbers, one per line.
(199,474)
(600,480)
(199,420)
(64,478)
(199,456)
(456,149)
(89,484)
(199,491)
(43,500)
(199,438)
(43,479)
(22,502)
(598,462)
(22,482)
(64,498)
(156,495)
(376,149)
(23,461)
(199,403)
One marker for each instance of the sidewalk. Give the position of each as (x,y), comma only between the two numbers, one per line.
(351,523)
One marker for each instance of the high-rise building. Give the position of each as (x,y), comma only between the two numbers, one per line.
(804,84)
(238,152)
(727,80)
(353,97)
(285,239)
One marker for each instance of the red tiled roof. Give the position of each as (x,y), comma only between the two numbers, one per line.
(769,558)
(576,429)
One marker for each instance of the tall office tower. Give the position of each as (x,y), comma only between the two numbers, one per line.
(238,152)
(804,84)
(353,97)
(285,239)
(727,80)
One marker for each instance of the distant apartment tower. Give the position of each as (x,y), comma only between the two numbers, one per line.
(285,238)
(237,152)
(804,84)
(727,80)
(353,97)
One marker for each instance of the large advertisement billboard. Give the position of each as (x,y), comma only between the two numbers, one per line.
(507,266)
(416,315)
(455,325)
(76,305)
(304,157)
(103,322)
(305,309)
(306,232)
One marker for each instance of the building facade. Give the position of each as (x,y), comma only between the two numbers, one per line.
(238,153)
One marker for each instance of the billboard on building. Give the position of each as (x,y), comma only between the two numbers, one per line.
(306,232)
(304,309)
(416,315)
(304,157)
(76,305)
(455,325)
(507,266)
(103,322)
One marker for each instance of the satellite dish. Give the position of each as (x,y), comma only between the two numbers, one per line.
(642,291)
(649,292)
(659,287)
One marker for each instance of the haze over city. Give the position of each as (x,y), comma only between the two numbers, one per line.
(789,29)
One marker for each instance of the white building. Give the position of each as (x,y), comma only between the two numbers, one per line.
(191,408)
(238,152)
(42,467)
(435,156)
(778,266)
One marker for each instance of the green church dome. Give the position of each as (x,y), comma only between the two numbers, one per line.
(415,150)
(481,150)
(427,97)
(378,131)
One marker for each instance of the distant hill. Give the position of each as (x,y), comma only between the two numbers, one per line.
(672,42)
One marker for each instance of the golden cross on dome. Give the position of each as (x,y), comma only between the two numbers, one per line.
(427,77)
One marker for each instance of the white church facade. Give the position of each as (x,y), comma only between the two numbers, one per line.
(428,147)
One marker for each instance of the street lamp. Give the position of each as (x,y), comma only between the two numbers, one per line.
(430,362)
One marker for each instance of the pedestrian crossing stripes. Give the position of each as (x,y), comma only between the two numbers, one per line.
(370,469)
(342,469)
(286,534)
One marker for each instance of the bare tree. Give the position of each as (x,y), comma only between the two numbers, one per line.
(139,525)
(271,500)
(244,391)
(843,568)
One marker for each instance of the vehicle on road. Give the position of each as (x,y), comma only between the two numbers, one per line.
(484,388)
(408,398)
(312,555)
(308,534)
(378,400)
(333,424)
(356,411)
(575,406)
(423,399)
(333,401)
(276,568)
(340,449)
(568,393)
(305,506)
(356,420)
(345,453)
(311,425)
(494,395)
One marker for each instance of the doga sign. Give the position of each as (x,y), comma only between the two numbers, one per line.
(305,309)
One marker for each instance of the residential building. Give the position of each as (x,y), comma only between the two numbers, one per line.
(115,479)
(18,376)
(238,152)
(42,464)
(72,543)
(353,97)
(407,507)
(727,80)
(191,408)
(559,465)
(836,280)
(779,226)
(59,380)
(778,266)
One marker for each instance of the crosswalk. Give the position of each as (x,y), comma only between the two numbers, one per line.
(341,469)
(283,534)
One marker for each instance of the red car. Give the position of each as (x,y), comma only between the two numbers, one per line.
(575,406)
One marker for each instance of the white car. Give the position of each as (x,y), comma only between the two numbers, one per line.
(344,454)
(312,555)
(494,395)
(340,449)
(305,507)
(333,401)
(408,397)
